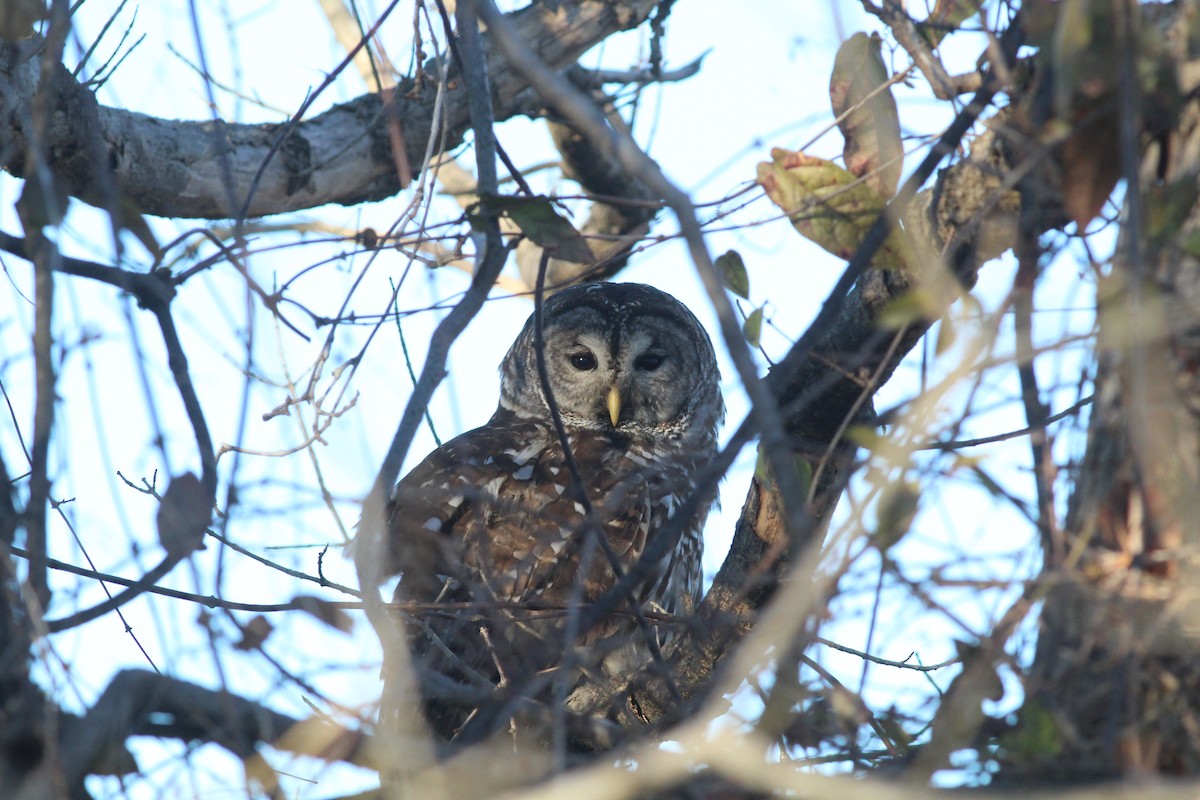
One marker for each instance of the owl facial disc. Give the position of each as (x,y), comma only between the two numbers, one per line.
(620,358)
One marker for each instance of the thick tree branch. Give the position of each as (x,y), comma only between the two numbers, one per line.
(344,155)
(818,387)
(140,703)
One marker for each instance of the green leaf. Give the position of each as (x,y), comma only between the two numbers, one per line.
(752,327)
(762,472)
(865,436)
(1168,206)
(733,271)
(894,515)
(829,205)
(542,224)
(1037,737)
(914,306)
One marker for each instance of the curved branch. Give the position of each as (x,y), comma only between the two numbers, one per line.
(132,590)
(137,702)
(344,155)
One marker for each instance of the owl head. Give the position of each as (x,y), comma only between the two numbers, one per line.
(624,358)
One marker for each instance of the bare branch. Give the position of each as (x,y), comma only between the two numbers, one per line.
(902,26)
(342,156)
(139,703)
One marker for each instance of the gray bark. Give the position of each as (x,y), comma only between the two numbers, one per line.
(208,169)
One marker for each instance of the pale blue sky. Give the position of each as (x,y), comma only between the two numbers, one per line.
(763,84)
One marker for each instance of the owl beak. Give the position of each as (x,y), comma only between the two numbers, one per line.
(614,405)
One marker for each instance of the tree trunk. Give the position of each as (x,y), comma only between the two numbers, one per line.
(1115,684)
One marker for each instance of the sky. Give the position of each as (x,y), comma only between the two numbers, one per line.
(763,84)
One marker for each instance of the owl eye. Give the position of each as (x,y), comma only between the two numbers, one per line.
(648,362)
(584,362)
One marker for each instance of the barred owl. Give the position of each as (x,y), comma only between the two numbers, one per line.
(492,539)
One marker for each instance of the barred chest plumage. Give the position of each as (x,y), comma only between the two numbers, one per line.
(501,538)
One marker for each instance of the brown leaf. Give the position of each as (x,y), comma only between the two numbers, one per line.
(322,738)
(254,633)
(114,759)
(325,611)
(871,124)
(183,515)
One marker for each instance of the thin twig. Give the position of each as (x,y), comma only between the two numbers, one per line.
(289,128)
(586,78)
(902,26)
(618,146)
(36,209)
(959,444)
(887,662)
(132,590)
(320,580)
(137,702)
(829,678)
(491,257)
(205,600)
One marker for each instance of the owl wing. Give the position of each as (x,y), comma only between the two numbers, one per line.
(495,508)
(491,519)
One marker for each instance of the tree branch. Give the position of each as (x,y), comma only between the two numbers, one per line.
(140,703)
(815,386)
(343,155)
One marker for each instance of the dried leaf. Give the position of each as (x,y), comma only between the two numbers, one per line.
(990,484)
(183,515)
(325,611)
(262,774)
(733,271)
(871,124)
(322,738)
(38,207)
(946,335)
(829,205)
(254,633)
(1168,206)
(892,723)
(114,759)
(542,224)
